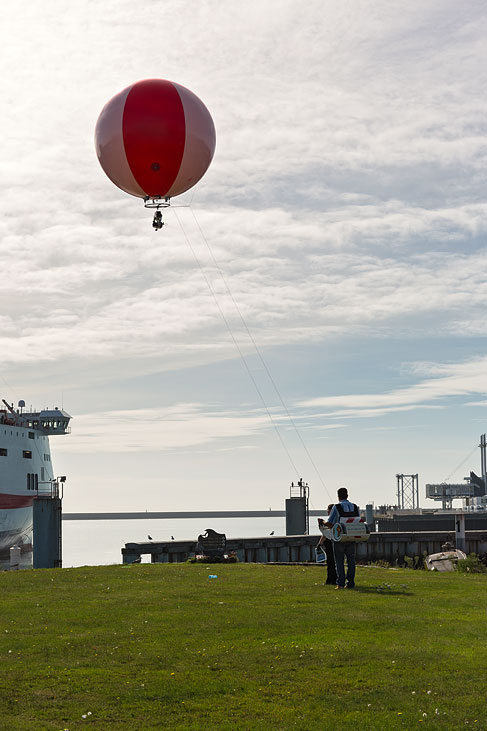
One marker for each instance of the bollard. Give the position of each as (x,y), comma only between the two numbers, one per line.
(460,541)
(14,558)
(369,515)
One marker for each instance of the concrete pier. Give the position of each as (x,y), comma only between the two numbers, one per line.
(391,547)
(171,515)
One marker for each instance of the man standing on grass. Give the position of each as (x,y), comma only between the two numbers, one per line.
(331,574)
(343,509)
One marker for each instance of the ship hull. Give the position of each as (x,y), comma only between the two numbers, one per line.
(15,528)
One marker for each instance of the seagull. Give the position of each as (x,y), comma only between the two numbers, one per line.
(271,533)
(150,538)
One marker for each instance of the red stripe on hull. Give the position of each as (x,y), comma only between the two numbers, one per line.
(10,502)
(154,134)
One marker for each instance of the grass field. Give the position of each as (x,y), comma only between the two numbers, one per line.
(260,647)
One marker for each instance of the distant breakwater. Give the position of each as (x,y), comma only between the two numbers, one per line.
(185,514)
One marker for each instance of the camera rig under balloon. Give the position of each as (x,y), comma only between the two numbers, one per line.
(157,203)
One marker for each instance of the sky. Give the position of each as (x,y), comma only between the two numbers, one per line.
(316,306)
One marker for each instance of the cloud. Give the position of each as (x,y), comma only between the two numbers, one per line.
(178,427)
(196,425)
(450,380)
(342,198)
(149,297)
(159,429)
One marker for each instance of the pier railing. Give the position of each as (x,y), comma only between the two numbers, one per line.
(48,489)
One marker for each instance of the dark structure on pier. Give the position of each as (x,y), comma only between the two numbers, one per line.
(297,509)
(47,525)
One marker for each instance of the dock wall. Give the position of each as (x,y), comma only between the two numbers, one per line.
(389,547)
(171,515)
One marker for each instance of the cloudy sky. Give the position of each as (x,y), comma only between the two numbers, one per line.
(319,308)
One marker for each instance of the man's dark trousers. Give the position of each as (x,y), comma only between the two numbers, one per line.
(342,549)
(331,574)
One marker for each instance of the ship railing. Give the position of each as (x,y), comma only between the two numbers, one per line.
(49,488)
(299,490)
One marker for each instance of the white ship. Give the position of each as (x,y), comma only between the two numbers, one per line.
(25,468)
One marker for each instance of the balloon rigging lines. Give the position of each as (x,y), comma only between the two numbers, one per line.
(459,465)
(255,346)
(235,341)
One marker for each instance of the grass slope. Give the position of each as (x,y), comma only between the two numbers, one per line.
(260,647)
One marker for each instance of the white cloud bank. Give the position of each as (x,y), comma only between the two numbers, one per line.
(449,380)
(194,425)
(160,429)
(344,196)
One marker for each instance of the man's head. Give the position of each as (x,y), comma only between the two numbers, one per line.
(342,493)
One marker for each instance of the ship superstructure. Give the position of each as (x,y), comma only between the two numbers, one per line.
(25,467)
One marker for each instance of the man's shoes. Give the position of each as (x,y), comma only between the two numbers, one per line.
(350,586)
(339,587)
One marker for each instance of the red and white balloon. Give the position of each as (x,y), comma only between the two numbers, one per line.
(155,139)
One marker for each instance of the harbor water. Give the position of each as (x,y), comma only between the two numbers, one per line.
(99,542)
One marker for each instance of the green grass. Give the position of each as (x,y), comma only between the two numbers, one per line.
(260,647)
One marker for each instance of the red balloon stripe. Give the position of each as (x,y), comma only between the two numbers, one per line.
(154,134)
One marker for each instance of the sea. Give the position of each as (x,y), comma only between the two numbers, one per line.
(100,542)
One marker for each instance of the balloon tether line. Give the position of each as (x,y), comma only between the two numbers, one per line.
(264,364)
(242,357)
(260,356)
